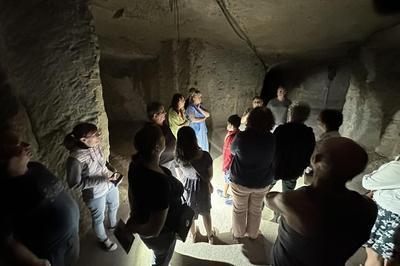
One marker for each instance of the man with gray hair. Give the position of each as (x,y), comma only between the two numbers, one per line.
(295,143)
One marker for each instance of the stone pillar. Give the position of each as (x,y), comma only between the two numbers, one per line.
(50,54)
(362,111)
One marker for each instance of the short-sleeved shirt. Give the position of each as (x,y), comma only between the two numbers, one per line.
(170,143)
(196,167)
(295,143)
(151,191)
(252,162)
(38,212)
(175,121)
(226,150)
(279,109)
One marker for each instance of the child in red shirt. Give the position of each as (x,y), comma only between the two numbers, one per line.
(232,127)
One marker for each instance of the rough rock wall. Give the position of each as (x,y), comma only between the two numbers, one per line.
(49,52)
(127,86)
(321,86)
(364,86)
(375,82)
(228,79)
(362,111)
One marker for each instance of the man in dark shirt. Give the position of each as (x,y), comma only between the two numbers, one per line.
(156,114)
(325,223)
(294,145)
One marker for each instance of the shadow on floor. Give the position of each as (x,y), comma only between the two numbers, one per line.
(179,259)
(257,251)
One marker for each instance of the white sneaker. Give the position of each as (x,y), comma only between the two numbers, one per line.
(108,245)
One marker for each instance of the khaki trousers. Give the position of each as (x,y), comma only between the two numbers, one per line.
(247,207)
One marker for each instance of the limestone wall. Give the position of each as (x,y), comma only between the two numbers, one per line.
(364,86)
(322,86)
(227,79)
(48,50)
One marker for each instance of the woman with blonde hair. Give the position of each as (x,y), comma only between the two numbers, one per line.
(198,115)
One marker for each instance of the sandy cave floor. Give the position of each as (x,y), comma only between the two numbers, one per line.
(225,252)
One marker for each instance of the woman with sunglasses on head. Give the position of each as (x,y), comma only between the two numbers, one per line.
(198,115)
(40,221)
(87,170)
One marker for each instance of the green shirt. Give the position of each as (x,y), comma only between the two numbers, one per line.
(176,121)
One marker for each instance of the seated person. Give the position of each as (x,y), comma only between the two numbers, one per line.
(325,223)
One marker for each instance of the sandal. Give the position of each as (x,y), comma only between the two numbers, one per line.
(211,238)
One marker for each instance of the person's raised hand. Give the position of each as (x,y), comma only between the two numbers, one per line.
(41,262)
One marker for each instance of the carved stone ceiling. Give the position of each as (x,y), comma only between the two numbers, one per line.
(279,29)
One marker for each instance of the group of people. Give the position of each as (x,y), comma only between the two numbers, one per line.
(320,224)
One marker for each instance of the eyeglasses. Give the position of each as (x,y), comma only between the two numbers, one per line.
(96,134)
(161,112)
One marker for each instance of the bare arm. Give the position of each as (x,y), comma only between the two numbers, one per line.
(152,228)
(243,120)
(197,120)
(204,112)
(22,255)
(210,172)
(274,201)
(298,212)
(191,115)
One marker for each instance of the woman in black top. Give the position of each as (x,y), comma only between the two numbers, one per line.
(153,194)
(39,224)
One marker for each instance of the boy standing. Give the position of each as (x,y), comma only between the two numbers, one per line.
(232,127)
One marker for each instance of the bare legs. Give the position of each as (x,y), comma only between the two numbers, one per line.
(226,187)
(207,225)
(374,259)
